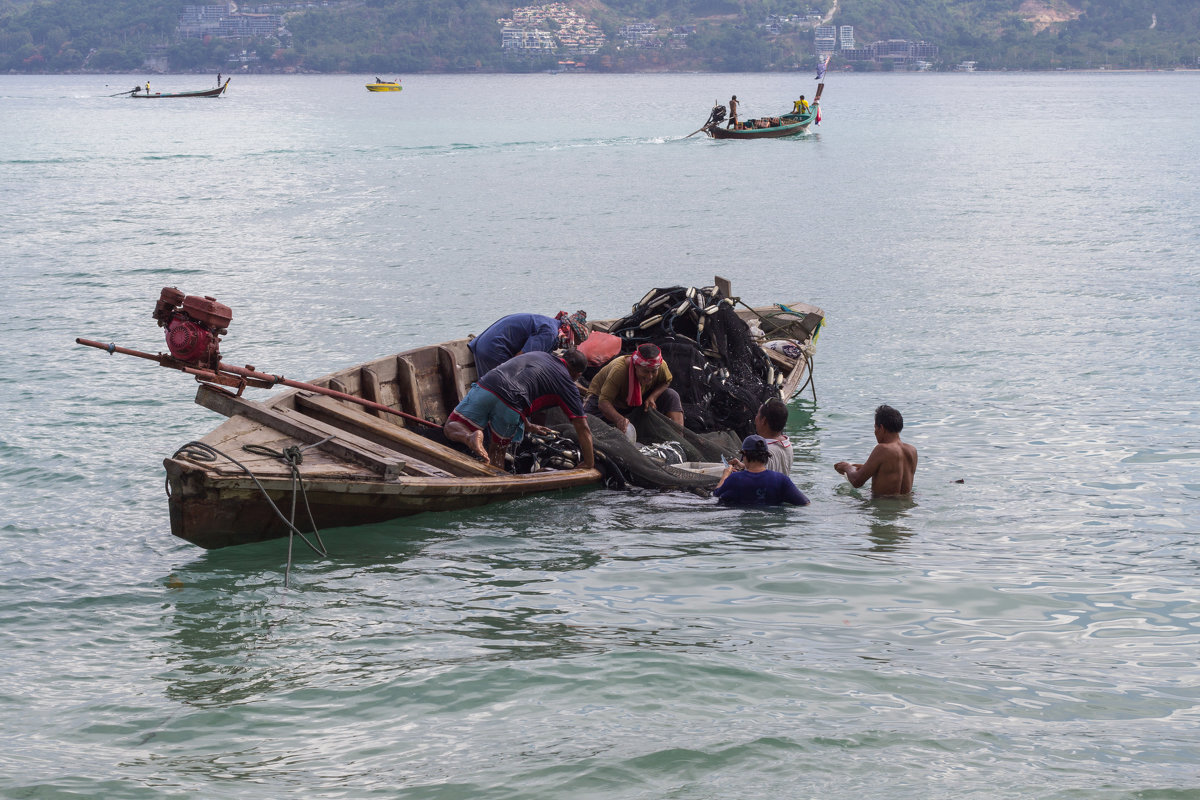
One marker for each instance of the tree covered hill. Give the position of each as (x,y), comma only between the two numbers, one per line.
(402,36)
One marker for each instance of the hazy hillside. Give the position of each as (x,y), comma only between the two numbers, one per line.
(401,36)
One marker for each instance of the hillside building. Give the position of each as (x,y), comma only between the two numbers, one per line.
(901,53)
(825,38)
(527,33)
(226,22)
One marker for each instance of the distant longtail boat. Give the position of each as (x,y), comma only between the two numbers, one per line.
(147,95)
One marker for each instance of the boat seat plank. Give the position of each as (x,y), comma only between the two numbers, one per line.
(414,446)
(454,383)
(372,389)
(408,389)
(307,430)
(779,359)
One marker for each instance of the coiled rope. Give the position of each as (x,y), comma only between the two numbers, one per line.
(293,457)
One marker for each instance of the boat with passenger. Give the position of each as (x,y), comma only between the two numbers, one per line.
(384,86)
(792,123)
(146,94)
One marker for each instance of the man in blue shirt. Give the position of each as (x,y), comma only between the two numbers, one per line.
(756,485)
(526,333)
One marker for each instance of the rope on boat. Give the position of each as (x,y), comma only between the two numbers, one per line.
(293,457)
(807,350)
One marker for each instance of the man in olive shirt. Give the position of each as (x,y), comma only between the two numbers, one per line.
(638,380)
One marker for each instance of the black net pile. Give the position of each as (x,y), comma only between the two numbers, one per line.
(721,374)
(624,463)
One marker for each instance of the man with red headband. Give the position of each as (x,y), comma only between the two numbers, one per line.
(526,333)
(639,380)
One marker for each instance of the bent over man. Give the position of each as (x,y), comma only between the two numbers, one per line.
(504,398)
(526,333)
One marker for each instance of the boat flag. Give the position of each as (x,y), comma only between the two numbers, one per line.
(821,68)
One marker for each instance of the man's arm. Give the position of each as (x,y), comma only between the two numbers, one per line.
(612,415)
(652,398)
(662,382)
(729,470)
(858,474)
(585,442)
(792,494)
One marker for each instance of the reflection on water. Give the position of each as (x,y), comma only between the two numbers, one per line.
(1036,639)
(887,521)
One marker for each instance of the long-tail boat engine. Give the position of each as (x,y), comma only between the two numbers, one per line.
(194,326)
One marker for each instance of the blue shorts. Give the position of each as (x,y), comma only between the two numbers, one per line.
(481,409)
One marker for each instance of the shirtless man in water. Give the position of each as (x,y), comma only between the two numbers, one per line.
(892,463)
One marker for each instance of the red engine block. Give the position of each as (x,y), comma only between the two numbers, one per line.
(194,326)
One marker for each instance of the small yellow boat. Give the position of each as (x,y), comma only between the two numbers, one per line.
(384,86)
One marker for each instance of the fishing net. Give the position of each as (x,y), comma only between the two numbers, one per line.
(648,462)
(722,377)
(721,374)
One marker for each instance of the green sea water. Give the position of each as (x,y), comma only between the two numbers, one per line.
(1009,259)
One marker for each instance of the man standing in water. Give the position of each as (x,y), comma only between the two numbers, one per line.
(768,423)
(754,484)
(892,463)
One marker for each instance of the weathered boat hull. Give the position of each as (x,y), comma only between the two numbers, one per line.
(215,513)
(384,87)
(759,133)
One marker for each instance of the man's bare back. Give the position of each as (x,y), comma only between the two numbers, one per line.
(891,465)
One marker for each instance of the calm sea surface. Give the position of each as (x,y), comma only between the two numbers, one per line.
(1009,259)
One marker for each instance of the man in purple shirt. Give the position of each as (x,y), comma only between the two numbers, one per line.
(503,400)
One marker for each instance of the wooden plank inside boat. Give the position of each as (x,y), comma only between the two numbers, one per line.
(372,389)
(407,389)
(454,383)
(412,445)
(346,445)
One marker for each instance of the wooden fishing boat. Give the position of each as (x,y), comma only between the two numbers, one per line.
(790,124)
(384,86)
(767,127)
(216,92)
(358,465)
